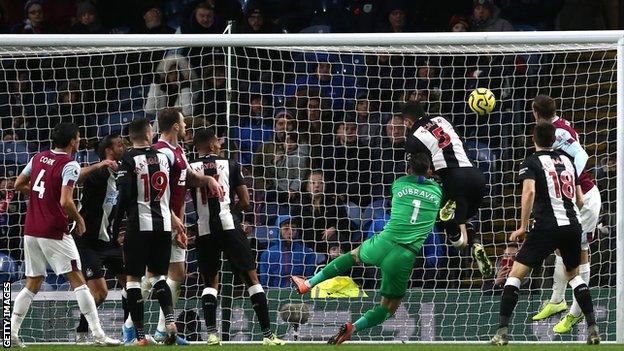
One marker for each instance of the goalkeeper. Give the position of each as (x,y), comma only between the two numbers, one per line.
(415,205)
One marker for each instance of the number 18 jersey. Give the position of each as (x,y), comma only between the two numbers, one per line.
(436,137)
(555,188)
(415,206)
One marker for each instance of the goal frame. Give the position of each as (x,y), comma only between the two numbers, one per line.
(615,38)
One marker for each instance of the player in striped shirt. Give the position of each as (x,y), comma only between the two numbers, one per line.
(462,183)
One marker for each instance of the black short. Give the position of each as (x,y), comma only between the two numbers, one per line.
(539,244)
(146,249)
(95,256)
(233,243)
(466,186)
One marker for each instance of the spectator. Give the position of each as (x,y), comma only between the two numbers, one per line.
(368,124)
(203,21)
(329,84)
(485,18)
(292,166)
(256,20)
(9,135)
(34,23)
(398,20)
(172,86)
(459,24)
(325,222)
(392,158)
(252,130)
(88,20)
(212,99)
(348,163)
(12,209)
(287,257)
(496,285)
(357,16)
(385,78)
(265,158)
(153,22)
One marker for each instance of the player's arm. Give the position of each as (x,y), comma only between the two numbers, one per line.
(566,143)
(86,171)
(22,183)
(124,188)
(237,182)
(528,197)
(579,197)
(194,179)
(71,173)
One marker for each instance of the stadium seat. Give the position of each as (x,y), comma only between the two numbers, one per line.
(86,157)
(14,152)
(116,122)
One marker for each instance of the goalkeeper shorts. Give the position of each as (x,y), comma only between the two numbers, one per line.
(396,262)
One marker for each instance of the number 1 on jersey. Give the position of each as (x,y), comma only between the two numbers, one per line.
(416,204)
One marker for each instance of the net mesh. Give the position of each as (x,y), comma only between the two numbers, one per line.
(317,132)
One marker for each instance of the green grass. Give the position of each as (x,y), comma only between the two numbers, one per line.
(360,347)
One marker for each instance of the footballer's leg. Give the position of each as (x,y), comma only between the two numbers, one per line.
(396,263)
(209,261)
(175,277)
(238,252)
(338,266)
(93,272)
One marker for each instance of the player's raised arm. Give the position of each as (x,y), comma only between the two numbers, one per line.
(568,144)
(22,183)
(194,179)
(85,171)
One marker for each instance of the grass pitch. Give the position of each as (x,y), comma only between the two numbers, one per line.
(357,347)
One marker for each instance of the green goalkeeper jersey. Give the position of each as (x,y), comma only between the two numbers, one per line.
(414,211)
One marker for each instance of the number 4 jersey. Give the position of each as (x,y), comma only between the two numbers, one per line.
(144,191)
(555,188)
(437,138)
(49,171)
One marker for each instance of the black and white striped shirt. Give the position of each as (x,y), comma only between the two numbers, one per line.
(436,137)
(555,188)
(144,191)
(214,214)
(97,204)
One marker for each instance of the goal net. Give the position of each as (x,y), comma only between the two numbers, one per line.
(319,135)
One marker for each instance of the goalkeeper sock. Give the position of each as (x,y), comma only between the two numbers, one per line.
(209,304)
(582,295)
(174,287)
(163,295)
(135,305)
(584,271)
(334,268)
(372,318)
(20,308)
(83,325)
(560,281)
(509,300)
(86,303)
(261,307)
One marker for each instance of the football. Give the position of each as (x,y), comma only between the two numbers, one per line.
(482,101)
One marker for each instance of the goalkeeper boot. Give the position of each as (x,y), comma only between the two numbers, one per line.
(213,339)
(343,334)
(550,309)
(106,341)
(273,340)
(593,337)
(16,341)
(501,338)
(566,323)
(129,335)
(447,212)
(483,261)
(300,284)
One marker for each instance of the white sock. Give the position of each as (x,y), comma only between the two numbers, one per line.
(175,293)
(584,272)
(459,243)
(86,303)
(20,308)
(560,281)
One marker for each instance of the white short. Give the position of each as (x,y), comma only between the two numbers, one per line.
(62,255)
(178,254)
(590,214)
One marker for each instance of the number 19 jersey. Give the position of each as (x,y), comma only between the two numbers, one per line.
(436,137)
(415,206)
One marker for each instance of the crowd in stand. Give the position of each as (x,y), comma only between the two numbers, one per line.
(319,135)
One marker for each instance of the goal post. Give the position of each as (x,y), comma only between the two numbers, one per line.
(582,70)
